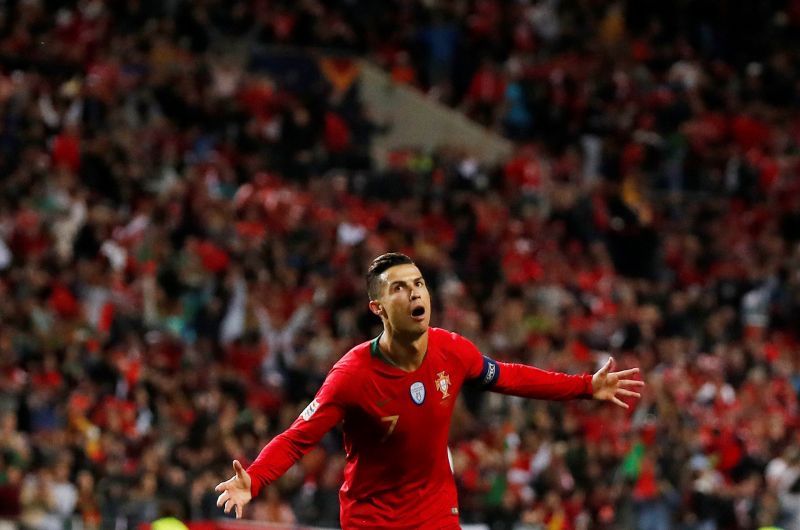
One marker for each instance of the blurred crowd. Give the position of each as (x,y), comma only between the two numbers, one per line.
(186,216)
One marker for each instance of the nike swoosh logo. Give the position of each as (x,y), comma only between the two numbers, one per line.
(382,402)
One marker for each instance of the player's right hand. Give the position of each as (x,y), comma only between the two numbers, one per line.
(234,492)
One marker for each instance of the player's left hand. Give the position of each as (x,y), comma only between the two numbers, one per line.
(610,386)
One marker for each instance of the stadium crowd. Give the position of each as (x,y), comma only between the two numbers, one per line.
(184,231)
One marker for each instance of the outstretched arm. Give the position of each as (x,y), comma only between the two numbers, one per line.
(530,382)
(320,416)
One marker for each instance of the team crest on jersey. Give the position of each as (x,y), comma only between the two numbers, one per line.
(310,410)
(443,384)
(417,392)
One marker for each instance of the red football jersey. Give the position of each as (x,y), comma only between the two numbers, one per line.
(396,425)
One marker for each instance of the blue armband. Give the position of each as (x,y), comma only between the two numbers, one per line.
(489,374)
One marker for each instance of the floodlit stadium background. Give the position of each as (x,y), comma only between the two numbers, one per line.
(190,192)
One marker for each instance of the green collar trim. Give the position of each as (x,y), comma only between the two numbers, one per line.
(374,349)
(376,352)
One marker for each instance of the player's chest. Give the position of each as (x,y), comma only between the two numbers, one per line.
(418,401)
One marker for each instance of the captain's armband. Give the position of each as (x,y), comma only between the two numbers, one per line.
(489,374)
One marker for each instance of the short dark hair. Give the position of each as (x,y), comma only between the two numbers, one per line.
(380,264)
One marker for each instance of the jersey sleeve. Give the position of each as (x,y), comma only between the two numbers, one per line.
(324,412)
(531,382)
(479,369)
(519,379)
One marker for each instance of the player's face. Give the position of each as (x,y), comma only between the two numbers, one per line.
(405,300)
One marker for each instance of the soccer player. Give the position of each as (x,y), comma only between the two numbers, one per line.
(395,396)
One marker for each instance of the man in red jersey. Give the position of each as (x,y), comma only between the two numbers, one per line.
(395,395)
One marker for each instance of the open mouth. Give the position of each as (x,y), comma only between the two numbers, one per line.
(418,312)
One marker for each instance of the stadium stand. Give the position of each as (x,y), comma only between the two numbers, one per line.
(186,213)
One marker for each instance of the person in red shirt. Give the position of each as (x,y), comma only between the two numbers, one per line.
(395,396)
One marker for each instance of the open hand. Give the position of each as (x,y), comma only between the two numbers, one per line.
(235,492)
(610,386)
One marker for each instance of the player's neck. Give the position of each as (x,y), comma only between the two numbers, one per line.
(404,352)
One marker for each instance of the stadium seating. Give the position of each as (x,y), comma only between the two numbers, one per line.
(188,202)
